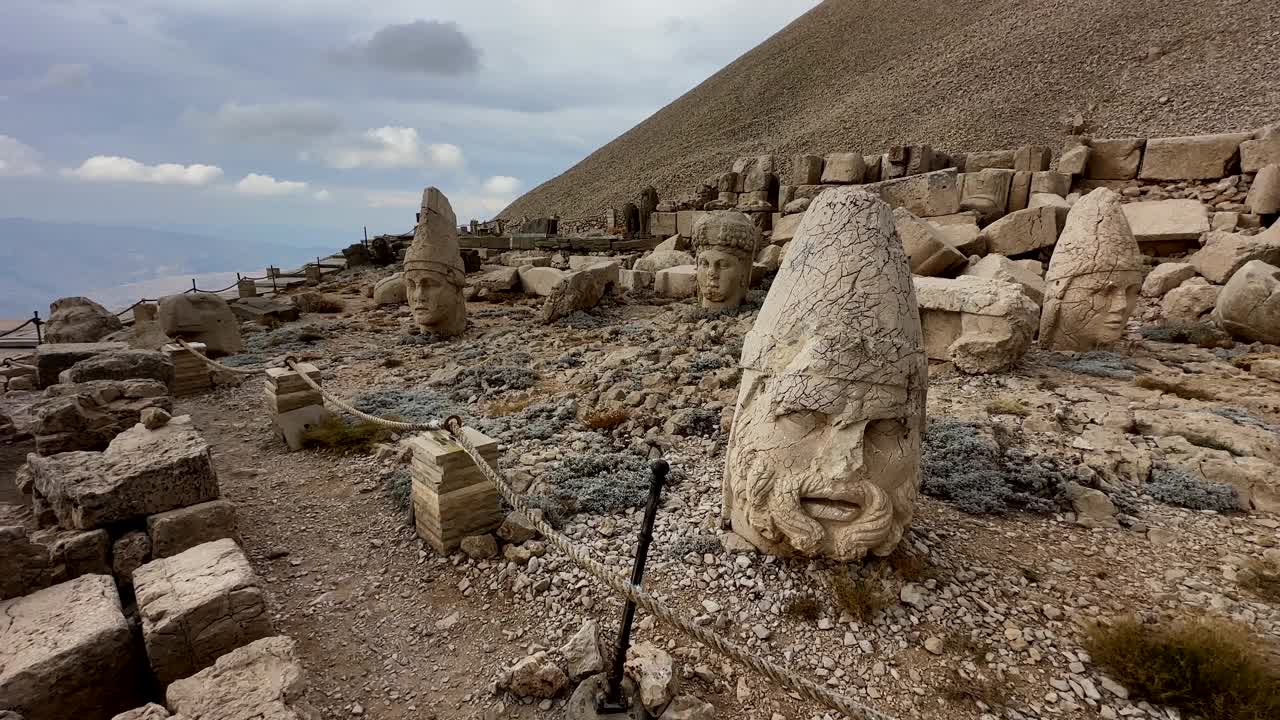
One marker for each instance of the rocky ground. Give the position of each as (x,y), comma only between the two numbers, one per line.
(976,615)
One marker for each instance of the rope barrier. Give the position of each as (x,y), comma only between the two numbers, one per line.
(453,425)
(7,362)
(11,331)
(218,365)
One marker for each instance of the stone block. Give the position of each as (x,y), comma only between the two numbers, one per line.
(451,497)
(805,170)
(150,711)
(842,168)
(1224,221)
(264,311)
(581,290)
(202,317)
(121,365)
(676,282)
(785,226)
(685,220)
(262,680)
(174,531)
(1116,159)
(927,251)
(927,195)
(1249,306)
(53,358)
(286,381)
(24,564)
(965,237)
(391,290)
(1225,253)
(999,267)
(1019,191)
(1032,158)
(1190,301)
(1022,232)
(128,553)
(1050,181)
(1257,154)
(635,280)
(73,553)
(663,259)
(66,652)
(1074,159)
(246,288)
(1197,157)
(142,472)
(1166,220)
(540,281)
(978,161)
(190,373)
(279,403)
(1264,194)
(1165,277)
(986,192)
(197,606)
(663,224)
(292,426)
(982,326)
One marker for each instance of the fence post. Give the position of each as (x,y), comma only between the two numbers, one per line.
(35,319)
(193,285)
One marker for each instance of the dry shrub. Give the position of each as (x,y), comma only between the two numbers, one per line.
(1151,382)
(500,408)
(1206,667)
(606,418)
(803,607)
(910,566)
(958,688)
(1007,406)
(861,597)
(966,645)
(314,302)
(346,439)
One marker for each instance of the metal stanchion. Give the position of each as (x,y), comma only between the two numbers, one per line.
(612,701)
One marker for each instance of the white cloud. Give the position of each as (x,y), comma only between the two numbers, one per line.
(18,158)
(501,185)
(112,168)
(272,122)
(322,195)
(255,184)
(393,199)
(72,76)
(395,147)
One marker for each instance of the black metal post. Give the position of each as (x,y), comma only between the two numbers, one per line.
(612,701)
(35,319)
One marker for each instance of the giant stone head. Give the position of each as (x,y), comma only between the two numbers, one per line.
(433,271)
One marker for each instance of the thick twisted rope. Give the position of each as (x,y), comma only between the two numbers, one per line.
(641,598)
(347,408)
(6,362)
(218,365)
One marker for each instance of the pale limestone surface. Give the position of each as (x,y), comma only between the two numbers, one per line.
(197,606)
(1022,231)
(204,318)
(1165,277)
(986,192)
(999,267)
(1264,194)
(1190,300)
(142,472)
(261,681)
(174,531)
(824,454)
(980,325)
(433,271)
(78,320)
(680,281)
(390,290)
(663,259)
(66,652)
(1094,276)
(580,290)
(927,252)
(724,243)
(1225,253)
(540,281)
(1249,306)
(1165,220)
(1195,157)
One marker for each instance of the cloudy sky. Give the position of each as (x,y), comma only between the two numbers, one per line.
(311,114)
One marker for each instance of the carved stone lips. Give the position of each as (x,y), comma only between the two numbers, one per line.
(839,505)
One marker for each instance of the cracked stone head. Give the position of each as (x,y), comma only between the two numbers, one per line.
(1094,277)
(824,455)
(724,242)
(433,271)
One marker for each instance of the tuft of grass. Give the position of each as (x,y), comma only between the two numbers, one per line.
(1208,667)
(346,439)
(1151,382)
(606,418)
(803,607)
(861,597)
(966,645)
(1031,574)
(1173,486)
(313,302)
(910,566)
(1007,406)
(392,362)
(959,689)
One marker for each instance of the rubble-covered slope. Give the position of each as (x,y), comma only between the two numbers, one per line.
(861,75)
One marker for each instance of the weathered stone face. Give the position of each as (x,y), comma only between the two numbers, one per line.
(79,320)
(724,243)
(202,317)
(433,271)
(824,455)
(1094,276)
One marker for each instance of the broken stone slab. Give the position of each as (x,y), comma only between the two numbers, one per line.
(79,320)
(1209,429)
(675,242)
(986,192)
(654,672)
(142,472)
(292,426)
(806,170)
(1165,277)
(1114,159)
(263,679)
(1196,157)
(150,711)
(663,224)
(980,325)
(87,416)
(1249,305)
(1022,232)
(685,220)
(1258,153)
(976,162)
(175,531)
(390,290)
(536,676)
(1049,181)
(540,281)
(121,365)
(1166,220)
(676,282)
(24,564)
(1264,194)
(663,259)
(197,606)
(1225,253)
(263,310)
(73,553)
(66,652)
(53,358)
(842,168)
(927,252)
(1019,191)
(580,290)
(1190,300)
(1093,508)
(582,653)
(635,280)
(999,267)
(1074,158)
(926,195)
(961,232)
(202,317)
(1032,158)
(785,227)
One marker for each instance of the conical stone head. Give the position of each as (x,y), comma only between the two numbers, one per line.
(433,271)
(1094,276)
(824,455)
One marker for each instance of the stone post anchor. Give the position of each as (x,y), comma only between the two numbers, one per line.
(190,373)
(293,405)
(451,497)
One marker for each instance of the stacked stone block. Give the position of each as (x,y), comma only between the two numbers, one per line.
(190,373)
(451,497)
(293,405)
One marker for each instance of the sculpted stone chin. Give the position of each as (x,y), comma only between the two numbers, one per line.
(824,455)
(433,271)
(1094,277)
(724,242)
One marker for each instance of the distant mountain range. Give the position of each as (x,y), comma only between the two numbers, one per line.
(42,261)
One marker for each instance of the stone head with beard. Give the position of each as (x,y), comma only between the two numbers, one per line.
(824,455)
